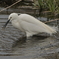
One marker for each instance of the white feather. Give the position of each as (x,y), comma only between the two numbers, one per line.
(29,24)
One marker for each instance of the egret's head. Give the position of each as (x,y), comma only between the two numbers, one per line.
(11,17)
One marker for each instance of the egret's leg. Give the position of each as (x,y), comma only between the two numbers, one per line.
(28,35)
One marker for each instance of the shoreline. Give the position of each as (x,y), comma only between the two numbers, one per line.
(20,10)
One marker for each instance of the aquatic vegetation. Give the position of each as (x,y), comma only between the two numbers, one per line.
(48,5)
(51,5)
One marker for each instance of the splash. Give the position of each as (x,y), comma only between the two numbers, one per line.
(55,28)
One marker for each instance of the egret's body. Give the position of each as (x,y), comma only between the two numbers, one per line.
(29,24)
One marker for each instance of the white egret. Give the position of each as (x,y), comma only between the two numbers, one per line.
(29,24)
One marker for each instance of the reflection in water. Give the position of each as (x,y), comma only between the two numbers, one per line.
(33,46)
(13,42)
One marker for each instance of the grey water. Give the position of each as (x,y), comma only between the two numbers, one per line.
(14,43)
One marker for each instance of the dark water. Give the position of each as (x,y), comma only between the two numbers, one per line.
(14,43)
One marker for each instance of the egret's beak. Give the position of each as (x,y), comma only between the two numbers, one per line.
(6,24)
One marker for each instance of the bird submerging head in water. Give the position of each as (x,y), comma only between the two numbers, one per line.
(29,24)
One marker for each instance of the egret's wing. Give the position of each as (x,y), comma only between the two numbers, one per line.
(30,28)
(29,18)
(35,24)
(33,28)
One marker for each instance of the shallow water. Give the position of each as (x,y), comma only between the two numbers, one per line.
(14,43)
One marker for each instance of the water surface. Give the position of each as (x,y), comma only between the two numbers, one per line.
(14,43)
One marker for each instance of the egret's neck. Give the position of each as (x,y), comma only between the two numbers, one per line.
(14,22)
(13,18)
